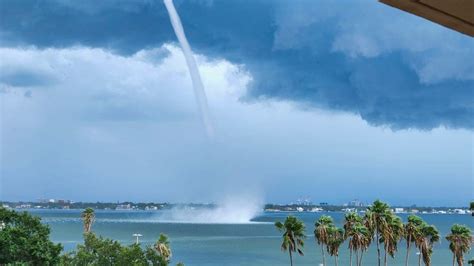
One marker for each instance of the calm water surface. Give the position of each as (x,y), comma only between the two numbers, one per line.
(255,243)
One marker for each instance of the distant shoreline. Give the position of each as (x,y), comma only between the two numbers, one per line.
(151,206)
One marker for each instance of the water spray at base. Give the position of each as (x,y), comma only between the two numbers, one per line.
(192,67)
(232,210)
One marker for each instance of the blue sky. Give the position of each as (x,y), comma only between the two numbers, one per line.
(324,99)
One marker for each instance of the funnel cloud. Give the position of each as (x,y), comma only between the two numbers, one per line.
(192,66)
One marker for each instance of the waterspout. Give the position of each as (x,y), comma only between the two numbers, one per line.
(199,92)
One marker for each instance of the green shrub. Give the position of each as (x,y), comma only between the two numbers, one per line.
(102,251)
(25,240)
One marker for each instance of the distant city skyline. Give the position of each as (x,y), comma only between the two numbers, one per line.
(149,205)
(331,100)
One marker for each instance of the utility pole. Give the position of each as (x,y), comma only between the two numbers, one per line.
(137,236)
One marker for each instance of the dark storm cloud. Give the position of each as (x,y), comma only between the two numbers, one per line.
(125,26)
(338,56)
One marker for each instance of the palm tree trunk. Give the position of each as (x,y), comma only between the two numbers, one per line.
(419,258)
(454,258)
(357,258)
(408,250)
(460,260)
(324,257)
(335,260)
(385,256)
(378,247)
(350,256)
(360,260)
(291,257)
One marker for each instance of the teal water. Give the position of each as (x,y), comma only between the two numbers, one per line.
(253,243)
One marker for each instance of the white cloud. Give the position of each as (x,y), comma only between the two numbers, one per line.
(129,123)
(94,83)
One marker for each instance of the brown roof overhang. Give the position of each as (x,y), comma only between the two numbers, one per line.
(455,14)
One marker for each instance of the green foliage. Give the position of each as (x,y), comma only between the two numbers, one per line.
(293,235)
(322,226)
(103,251)
(379,212)
(392,233)
(88,217)
(335,239)
(412,232)
(351,219)
(162,247)
(379,207)
(428,236)
(376,218)
(360,237)
(460,241)
(24,240)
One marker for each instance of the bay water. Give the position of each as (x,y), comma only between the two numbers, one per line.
(256,242)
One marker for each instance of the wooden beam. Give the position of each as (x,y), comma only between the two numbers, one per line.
(459,15)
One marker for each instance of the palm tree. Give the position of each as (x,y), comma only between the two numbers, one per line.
(419,241)
(162,247)
(351,219)
(460,242)
(293,236)
(425,240)
(392,233)
(335,239)
(359,241)
(88,218)
(376,219)
(321,232)
(412,230)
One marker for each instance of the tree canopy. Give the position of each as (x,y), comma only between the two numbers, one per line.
(97,250)
(25,240)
